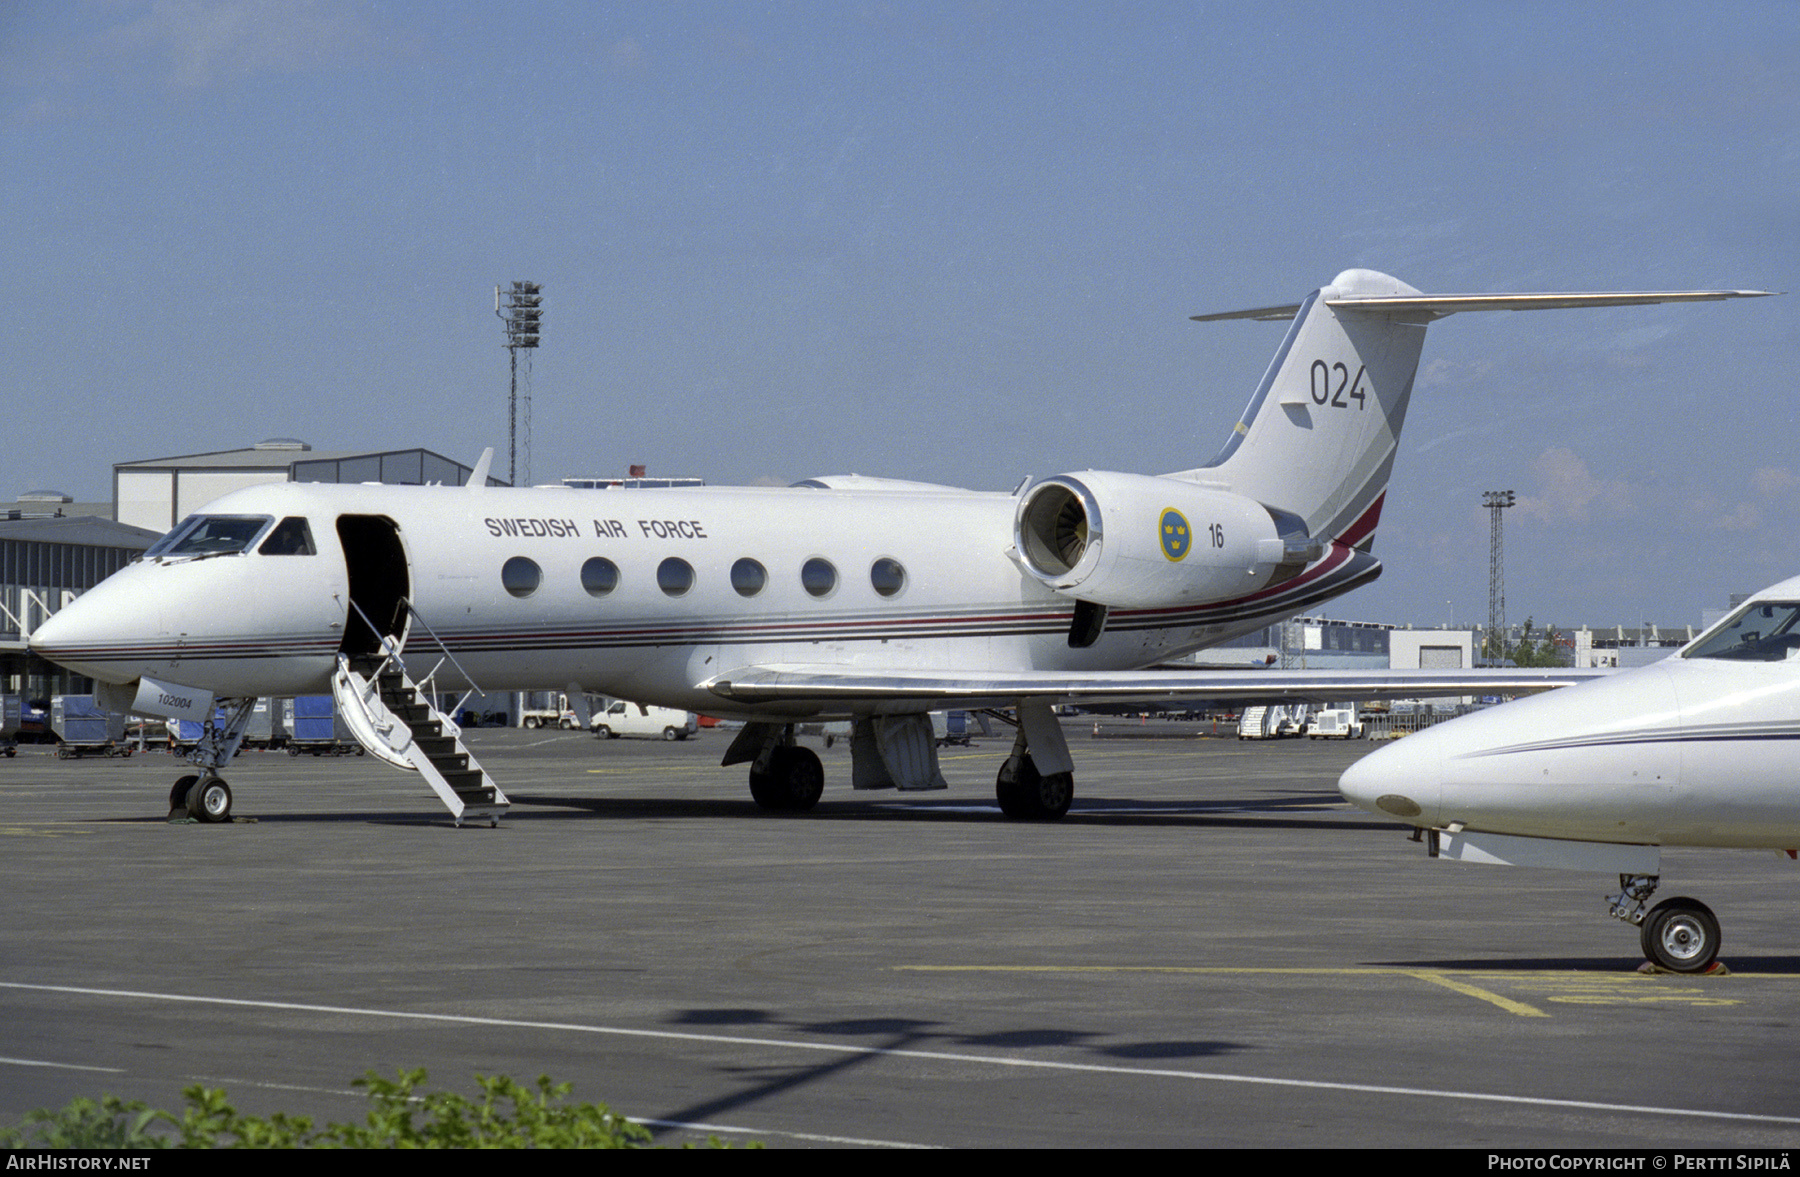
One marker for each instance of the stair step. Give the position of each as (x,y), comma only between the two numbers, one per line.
(438,751)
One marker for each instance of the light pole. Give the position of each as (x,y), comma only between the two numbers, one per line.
(520,308)
(1496,501)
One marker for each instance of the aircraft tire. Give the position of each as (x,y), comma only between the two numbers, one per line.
(1032,796)
(763,790)
(1681,935)
(794,783)
(178,795)
(1008,793)
(802,777)
(210,800)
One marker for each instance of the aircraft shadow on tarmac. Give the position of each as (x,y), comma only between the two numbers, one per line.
(871,1038)
(1215,812)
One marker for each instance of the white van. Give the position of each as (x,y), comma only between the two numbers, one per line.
(634,719)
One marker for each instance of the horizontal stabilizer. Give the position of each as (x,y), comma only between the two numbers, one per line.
(1436,306)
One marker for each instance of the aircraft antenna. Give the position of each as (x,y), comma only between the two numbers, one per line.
(1496,501)
(521,308)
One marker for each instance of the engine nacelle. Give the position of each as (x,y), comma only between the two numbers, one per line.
(1137,540)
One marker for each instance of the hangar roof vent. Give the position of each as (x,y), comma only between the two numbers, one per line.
(281,443)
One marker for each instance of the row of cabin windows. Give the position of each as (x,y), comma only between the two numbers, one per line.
(521,576)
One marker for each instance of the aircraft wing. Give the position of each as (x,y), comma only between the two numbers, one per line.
(835,687)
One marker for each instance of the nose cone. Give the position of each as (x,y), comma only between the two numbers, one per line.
(1402,781)
(93,635)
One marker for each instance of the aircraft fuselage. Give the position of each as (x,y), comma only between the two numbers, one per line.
(642,594)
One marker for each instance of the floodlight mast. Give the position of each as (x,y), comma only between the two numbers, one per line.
(1496,501)
(520,308)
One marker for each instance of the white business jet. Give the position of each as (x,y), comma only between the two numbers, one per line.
(864,599)
(1700,749)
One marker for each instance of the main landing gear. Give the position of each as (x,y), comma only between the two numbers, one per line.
(205,796)
(792,782)
(1029,795)
(784,777)
(1037,782)
(1680,934)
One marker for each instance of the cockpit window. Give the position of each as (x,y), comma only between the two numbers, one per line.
(211,535)
(291,537)
(1763,631)
(170,536)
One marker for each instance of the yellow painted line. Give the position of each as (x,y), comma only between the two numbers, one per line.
(1475,991)
(1563,988)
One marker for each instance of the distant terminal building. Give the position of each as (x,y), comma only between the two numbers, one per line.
(1313,642)
(1627,646)
(158,493)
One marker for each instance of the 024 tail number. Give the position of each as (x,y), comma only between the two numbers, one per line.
(1347,390)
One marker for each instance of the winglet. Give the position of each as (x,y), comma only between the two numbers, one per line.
(478,477)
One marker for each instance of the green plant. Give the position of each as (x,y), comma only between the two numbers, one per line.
(506,1114)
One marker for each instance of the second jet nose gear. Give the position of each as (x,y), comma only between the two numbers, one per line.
(1680,935)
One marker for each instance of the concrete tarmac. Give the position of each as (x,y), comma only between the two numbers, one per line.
(1212,949)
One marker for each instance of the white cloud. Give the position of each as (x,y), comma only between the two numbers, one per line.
(207,41)
(1570,493)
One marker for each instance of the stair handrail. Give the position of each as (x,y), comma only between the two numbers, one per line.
(474,687)
(390,649)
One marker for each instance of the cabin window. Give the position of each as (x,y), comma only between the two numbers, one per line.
(888,576)
(748,577)
(211,535)
(675,576)
(818,577)
(291,537)
(521,576)
(599,576)
(1763,631)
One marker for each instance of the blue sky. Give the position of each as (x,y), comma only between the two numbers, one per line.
(956,242)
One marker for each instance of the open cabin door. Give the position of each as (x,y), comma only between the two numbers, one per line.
(380,583)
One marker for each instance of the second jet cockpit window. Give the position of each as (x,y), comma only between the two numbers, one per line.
(1764,631)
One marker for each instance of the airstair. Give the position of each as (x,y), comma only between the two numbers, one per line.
(394,719)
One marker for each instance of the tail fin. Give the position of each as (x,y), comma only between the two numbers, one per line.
(1318,438)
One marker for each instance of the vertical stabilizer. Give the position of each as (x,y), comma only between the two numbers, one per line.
(1318,438)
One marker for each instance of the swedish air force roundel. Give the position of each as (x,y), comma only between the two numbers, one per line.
(1177,536)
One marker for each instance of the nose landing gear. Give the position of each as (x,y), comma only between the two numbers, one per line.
(1679,934)
(205,796)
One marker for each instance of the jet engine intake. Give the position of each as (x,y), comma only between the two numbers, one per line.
(1135,540)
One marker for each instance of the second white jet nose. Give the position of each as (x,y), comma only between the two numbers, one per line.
(1402,781)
